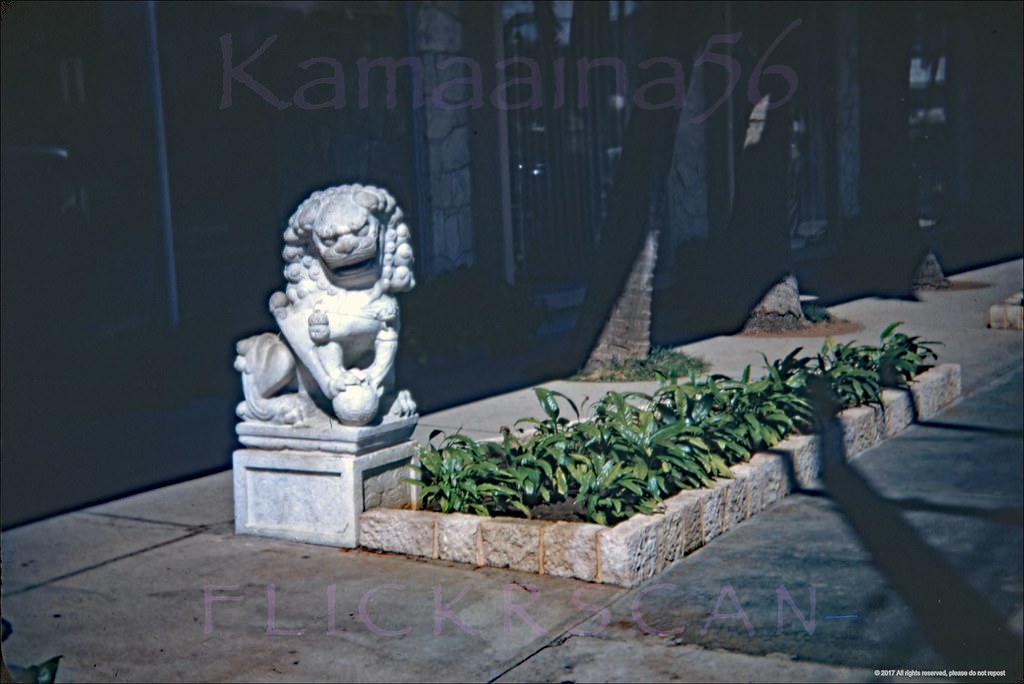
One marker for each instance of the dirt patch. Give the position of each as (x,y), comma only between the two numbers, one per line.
(774,323)
(660,360)
(823,329)
(564,510)
(958,285)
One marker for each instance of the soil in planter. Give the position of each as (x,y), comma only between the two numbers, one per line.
(958,285)
(568,511)
(565,511)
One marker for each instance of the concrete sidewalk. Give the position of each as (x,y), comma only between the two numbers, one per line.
(157,587)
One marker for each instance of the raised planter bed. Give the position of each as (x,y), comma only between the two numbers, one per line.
(641,546)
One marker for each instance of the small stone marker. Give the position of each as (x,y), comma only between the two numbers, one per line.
(327,429)
(779,310)
(929,275)
(1009,315)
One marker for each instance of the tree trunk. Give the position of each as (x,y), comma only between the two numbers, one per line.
(929,274)
(627,334)
(888,242)
(758,244)
(779,310)
(647,150)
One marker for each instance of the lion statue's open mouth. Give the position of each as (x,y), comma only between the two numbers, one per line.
(355,266)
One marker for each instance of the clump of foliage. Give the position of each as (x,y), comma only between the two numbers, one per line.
(901,357)
(850,371)
(635,449)
(661,360)
(815,313)
(43,673)
(464,474)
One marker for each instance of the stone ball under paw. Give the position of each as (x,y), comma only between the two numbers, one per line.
(356,405)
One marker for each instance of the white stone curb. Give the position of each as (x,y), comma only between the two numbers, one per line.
(643,545)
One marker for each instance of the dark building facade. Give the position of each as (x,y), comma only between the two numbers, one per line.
(153,151)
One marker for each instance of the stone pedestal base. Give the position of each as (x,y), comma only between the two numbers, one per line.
(317,496)
(321,434)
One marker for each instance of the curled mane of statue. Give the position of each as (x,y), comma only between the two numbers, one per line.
(346,254)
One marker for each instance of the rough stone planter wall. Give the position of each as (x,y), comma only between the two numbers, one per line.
(636,549)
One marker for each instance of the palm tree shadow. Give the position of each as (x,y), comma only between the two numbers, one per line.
(959,623)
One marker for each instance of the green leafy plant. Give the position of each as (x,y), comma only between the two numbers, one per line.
(589,463)
(851,372)
(763,412)
(712,434)
(460,475)
(635,449)
(43,673)
(815,313)
(649,448)
(902,357)
(551,451)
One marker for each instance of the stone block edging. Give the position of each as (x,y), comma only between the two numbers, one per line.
(643,545)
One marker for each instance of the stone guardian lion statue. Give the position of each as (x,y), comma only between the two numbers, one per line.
(347,252)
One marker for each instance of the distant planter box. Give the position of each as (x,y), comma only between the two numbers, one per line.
(643,545)
(1009,315)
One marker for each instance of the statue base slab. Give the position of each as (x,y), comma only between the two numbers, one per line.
(316,496)
(326,435)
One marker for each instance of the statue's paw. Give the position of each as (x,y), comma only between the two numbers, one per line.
(404,405)
(336,386)
(294,409)
(291,416)
(288,409)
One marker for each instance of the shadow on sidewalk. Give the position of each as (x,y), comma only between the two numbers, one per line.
(957,621)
